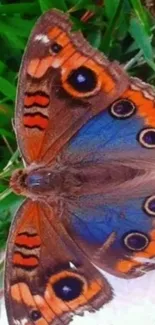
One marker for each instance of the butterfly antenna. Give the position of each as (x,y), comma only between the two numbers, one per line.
(89,13)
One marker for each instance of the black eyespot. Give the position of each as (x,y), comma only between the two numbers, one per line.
(122,108)
(68,288)
(35,315)
(135,241)
(147,138)
(55,48)
(149,206)
(82,79)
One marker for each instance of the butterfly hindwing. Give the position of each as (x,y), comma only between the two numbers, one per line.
(113,216)
(47,277)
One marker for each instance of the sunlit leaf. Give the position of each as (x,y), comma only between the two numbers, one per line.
(142,39)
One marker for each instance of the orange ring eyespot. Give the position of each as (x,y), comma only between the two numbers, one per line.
(82,79)
(67,286)
(81,82)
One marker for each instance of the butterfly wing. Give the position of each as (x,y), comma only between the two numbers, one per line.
(62,83)
(112,217)
(48,279)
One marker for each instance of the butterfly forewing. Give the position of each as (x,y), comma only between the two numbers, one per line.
(63,83)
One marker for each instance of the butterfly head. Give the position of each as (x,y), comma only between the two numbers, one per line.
(17,181)
(28,183)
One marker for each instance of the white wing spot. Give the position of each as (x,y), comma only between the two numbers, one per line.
(43,38)
(144,260)
(72,266)
(20,322)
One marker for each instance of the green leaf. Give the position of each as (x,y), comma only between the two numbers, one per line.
(8,207)
(18,26)
(6,133)
(7,88)
(83,4)
(22,8)
(133,47)
(5,193)
(48,4)
(10,33)
(95,37)
(111,7)
(141,38)
(112,25)
(141,14)
(2,67)
(151,64)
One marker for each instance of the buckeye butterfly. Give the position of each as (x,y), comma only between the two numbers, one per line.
(86,132)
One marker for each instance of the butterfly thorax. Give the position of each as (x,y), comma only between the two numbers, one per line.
(40,182)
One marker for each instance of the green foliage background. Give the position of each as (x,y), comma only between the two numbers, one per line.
(122,29)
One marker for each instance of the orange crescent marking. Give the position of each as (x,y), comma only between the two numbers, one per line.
(35,120)
(24,261)
(39,99)
(28,241)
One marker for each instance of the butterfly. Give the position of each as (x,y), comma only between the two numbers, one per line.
(86,132)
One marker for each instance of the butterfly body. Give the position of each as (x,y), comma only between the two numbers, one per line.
(86,134)
(59,181)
